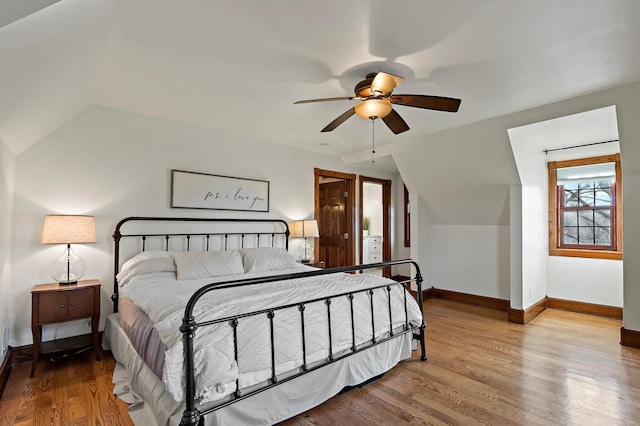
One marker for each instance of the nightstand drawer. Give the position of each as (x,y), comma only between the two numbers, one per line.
(59,306)
(53,307)
(81,303)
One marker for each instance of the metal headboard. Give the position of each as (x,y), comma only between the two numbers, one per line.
(118,235)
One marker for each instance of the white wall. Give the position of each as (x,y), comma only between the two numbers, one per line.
(534,244)
(533,228)
(471,259)
(461,179)
(7,172)
(515,247)
(596,281)
(462,184)
(113,164)
(420,249)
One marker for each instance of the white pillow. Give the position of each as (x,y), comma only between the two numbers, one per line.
(145,266)
(207,264)
(143,255)
(264,259)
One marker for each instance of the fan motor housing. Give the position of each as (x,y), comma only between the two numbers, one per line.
(363,88)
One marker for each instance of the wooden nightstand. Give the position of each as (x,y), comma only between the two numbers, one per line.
(319,264)
(54,303)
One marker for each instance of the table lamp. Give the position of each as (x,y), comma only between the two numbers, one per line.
(68,229)
(305,229)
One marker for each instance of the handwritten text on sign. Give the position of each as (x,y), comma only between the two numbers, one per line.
(205,191)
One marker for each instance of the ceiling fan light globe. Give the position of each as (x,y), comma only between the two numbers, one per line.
(379,108)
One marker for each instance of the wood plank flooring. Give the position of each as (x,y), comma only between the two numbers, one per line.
(73,391)
(561,369)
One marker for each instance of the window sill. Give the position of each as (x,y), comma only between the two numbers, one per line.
(592,254)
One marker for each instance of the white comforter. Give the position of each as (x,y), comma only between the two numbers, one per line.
(163,298)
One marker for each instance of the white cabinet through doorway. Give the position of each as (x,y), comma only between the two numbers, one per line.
(372,249)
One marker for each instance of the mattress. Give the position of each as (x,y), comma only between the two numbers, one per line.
(143,336)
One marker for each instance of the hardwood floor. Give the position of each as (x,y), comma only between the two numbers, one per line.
(73,391)
(562,368)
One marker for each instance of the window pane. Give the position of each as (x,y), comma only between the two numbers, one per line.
(603,194)
(570,235)
(571,195)
(570,218)
(585,218)
(585,235)
(586,173)
(586,194)
(603,235)
(602,218)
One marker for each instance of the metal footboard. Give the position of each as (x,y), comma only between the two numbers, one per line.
(194,416)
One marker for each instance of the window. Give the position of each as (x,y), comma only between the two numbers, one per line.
(585,207)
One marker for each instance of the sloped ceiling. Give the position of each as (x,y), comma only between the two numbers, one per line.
(13,10)
(238,65)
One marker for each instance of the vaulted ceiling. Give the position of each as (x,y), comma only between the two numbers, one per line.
(237,66)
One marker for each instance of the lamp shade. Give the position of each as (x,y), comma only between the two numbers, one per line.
(304,229)
(378,108)
(69,229)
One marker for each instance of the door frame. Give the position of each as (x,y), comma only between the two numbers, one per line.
(386,218)
(350,206)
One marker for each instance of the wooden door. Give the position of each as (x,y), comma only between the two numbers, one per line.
(332,223)
(335,251)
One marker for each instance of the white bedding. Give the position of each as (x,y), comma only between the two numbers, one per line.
(163,298)
(153,406)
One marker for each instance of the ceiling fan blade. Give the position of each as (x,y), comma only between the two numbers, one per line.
(308,101)
(384,83)
(395,122)
(437,103)
(338,121)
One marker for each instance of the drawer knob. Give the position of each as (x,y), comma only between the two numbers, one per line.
(62,306)
(73,304)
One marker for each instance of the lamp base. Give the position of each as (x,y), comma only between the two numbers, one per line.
(68,268)
(308,252)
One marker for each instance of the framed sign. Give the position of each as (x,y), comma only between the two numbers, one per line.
(191,190)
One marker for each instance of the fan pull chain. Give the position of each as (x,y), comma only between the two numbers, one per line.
(373,140)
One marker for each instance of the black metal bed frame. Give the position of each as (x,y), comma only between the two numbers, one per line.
(193,415)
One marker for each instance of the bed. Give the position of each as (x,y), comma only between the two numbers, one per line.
(216,323)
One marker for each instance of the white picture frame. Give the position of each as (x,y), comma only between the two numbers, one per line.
(193,190)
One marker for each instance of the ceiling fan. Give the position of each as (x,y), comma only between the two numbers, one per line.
(374,94)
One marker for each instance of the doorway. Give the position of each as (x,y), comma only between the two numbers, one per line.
(334,210)
(374,210)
